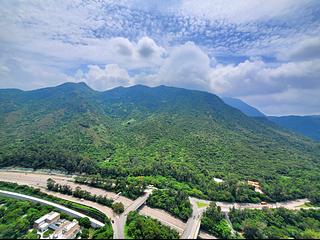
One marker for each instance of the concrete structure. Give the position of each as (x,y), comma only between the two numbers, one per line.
(256,186)
(43,223)
(67,230)
(193,224)
(94,223)
(63,229)
(120,221)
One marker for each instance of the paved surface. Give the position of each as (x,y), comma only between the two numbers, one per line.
(193,224)
(40,180)
(188,229)
(94,223)
(291,205)
(233,232)
(164,217)
(120,221)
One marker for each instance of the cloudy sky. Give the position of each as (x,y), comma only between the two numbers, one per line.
(266,53)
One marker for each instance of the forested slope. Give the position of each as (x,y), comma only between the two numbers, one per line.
(191,136)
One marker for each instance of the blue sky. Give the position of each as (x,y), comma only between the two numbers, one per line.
(266,53)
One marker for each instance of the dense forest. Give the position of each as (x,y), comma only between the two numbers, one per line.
(187,137)
(17,218)
(141,227)
(131,187)
(175,202)
(214,222)
(277,223)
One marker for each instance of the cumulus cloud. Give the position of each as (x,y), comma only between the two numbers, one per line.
(147,48)
(44,43)
(186,66)
(105,78)
(289,102)
(307,49)
(257,77)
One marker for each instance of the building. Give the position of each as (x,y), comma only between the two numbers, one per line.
(256,186)
(43,223)
(63,229)
(67,230)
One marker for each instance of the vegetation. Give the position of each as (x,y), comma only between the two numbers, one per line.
(131,187)
(47,233)
(201,204)
(141,227)
(92,212)
(188,137)
(78,193)
(277,223)
(103,233)
(213,221)
(85,222)
(87,232)
(118,207)
(17,217)
(175,202)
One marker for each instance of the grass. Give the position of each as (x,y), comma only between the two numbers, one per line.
(47,233)
(202,204)
(126,236)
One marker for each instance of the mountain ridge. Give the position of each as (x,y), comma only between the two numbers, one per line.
(189,135)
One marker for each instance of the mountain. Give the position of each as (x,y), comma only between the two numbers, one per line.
(243,107)
(306,125)
(188,137)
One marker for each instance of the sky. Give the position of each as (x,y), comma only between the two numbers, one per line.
(266,53)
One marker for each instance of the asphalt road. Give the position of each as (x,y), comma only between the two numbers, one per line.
(94,223)
(193,224)
(187,230)
(120,221)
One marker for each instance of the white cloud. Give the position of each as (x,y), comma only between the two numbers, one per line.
(289,102)
(257,77)
(308,48)
(242,11)
(105,78)
(186,66)
(148,48)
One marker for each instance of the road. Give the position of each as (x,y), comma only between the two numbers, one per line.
(40,180)
(188,229)
(121,220)
(94,223)
(193,224)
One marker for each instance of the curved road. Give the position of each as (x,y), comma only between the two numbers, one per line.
(94,223)
(189,229)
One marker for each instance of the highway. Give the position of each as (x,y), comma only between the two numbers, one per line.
(120,221)
(94,223)
(193,224)
(186,230)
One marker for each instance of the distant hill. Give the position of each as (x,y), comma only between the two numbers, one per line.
(305,125)
(187,136)
(308,126)
(243,107)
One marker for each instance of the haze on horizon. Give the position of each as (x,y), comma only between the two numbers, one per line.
(266,53)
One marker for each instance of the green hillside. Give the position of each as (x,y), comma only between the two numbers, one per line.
(186,136)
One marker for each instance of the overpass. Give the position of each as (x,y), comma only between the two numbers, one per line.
(120,221)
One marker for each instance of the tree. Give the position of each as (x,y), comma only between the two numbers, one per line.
(85,222)
(50,184)
(309,234)
(253,229)
(117,207)
(85,233)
